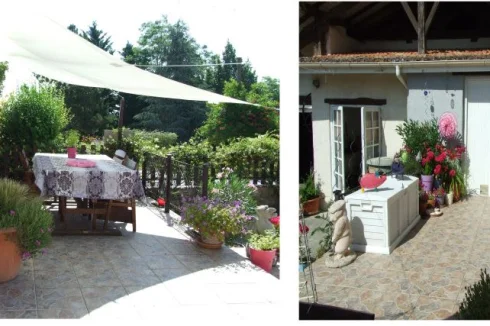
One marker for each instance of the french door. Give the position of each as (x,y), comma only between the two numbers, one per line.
(370,135)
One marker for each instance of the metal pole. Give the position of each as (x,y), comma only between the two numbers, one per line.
(120,123)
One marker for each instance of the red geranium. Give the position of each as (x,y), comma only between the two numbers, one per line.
(161,202)
(452,173)
(437,170)
(304,230)
(275,220)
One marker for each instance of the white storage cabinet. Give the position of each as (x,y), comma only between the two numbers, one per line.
(381,219)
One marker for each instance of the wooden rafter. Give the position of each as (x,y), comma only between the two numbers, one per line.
(431,16)
(410,15)
(421,27)
(381,15)
(356,8)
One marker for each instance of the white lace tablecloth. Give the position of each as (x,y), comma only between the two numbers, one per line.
(107,180)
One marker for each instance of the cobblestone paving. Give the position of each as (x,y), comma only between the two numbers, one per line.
(425,276)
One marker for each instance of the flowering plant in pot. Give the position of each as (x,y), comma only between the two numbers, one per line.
(310,193)
(439,193)
(423,198)
(212,219)
(303,251)
(72,139)
(25,227)
(263,248)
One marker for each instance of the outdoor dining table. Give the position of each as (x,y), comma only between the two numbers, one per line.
(106,180)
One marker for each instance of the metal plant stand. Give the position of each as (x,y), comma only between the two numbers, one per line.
(307,287)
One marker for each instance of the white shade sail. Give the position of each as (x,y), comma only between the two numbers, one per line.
(53,51)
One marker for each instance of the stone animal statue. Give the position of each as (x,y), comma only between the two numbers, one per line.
(264,213)
(342,233)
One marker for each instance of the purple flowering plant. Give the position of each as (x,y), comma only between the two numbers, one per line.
(27,214)
(213,217)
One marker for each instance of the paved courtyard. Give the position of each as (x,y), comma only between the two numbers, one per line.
(154,273)
(425,277)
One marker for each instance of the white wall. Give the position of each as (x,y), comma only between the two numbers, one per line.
(354,86)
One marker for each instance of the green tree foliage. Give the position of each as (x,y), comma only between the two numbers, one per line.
(170,44)
(94,109)
(33,118)
(226,121)
(3,70)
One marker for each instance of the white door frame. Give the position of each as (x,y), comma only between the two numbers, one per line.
(334,108)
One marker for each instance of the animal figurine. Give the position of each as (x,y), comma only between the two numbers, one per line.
(342,233)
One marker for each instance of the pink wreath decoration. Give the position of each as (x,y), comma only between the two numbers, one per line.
(448,125)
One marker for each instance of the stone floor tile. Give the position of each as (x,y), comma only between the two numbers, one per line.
(433,308)
(162,262)
(54,313)
(70,299)
(101,296)
(18,314)
(62,278)
(436,285)
(17,296)
(97,276)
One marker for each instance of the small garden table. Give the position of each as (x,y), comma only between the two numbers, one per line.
(108,180)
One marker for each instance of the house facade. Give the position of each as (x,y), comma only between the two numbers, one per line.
(367,67)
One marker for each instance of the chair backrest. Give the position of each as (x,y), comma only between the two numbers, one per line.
(130,164)
(120,153)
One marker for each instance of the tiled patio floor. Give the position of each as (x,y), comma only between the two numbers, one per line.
(154,273)
(425,277)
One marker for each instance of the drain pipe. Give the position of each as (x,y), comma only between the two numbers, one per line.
(400,77)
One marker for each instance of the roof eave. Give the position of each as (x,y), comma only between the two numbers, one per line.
(440,66)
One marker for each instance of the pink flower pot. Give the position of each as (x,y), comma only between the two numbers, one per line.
(72,152)
(263,258)
(427,182)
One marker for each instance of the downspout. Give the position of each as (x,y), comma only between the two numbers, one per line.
(400,77)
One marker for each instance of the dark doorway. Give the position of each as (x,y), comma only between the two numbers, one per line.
(305,145)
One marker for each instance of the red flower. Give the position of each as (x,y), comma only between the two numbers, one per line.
(424,161)
(452,173)
(304,230)
(161,202)
(437,170)
(275,220)
(430,155)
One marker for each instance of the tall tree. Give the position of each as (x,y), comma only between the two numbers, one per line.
(226,121)
(3,70)
(167,46)
(98,37)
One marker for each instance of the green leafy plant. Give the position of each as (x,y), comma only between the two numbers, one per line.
(28,215)
(477,297)
(269,240)
(213,217)
(416,135)
(33,118)
(72,138)
(309,189)
(327,230)
(229,188)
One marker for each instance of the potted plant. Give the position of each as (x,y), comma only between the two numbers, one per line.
(212,219)
(71,140)
(310,193)
(440,194)
(263,249)
(431,200)
(25,227)
(303,251)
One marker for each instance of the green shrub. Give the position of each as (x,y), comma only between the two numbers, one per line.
(229,188)
(416,134)
(27,214)
(475,305)
(33,118)
(327,230)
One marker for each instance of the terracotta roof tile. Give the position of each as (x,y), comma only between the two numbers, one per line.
(432,55)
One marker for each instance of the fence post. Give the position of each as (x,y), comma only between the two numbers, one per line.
(143,170)
(169,183)
(205,179)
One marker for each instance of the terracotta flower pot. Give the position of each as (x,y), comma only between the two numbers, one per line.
(311,207)
(10,259)
(209,242)
(263,258)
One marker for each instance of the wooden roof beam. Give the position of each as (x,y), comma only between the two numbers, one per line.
(431,16)
(410,15)
(369,12)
